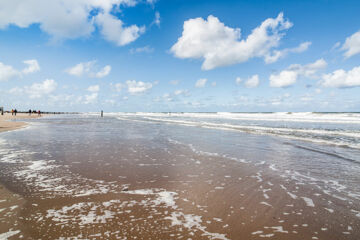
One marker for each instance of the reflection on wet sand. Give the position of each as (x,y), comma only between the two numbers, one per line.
(112,179)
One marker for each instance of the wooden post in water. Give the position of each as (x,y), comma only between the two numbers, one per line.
(102,113)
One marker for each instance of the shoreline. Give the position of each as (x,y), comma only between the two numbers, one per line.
(167,187)
(11,202)
(9,122)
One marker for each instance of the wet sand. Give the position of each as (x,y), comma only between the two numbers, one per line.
(11,203)
(159,188)
(10,122)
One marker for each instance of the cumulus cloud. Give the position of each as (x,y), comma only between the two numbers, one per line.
(93,88)
(32,66)
(103,72)
(342,79)
(90,69)
(352,45)
(277,54)
(219,45)
(201,83)
(252,82)
(113,30)
(7,72)
(36,90)
(91,98)
(70,19)
(290,75)
(139,87)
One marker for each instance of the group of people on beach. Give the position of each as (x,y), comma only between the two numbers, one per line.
(34,111)
(14,112)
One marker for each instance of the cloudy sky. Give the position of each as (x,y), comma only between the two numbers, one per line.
(180,55)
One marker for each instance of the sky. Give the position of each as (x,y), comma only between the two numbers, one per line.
(180,55)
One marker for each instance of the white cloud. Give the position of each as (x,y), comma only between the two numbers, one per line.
(68,19)
(7,72)
(93,88)
(33,66)
(157,19)
(89,68)
(289,76)
(201,83)
(151,1)
(213,84)
(284,79)
(38,90)
(113,30)
(352,45)
(277,54)
(139,87)
(103,72)
(252,82)
(78,70)
(238,80)
(341,78)
(336,45)
(181,92)
(167,97)
(146,49)
(91,98)
(219,45)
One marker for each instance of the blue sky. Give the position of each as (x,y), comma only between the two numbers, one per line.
(180,55)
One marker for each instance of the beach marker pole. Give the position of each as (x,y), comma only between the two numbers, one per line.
(102,113)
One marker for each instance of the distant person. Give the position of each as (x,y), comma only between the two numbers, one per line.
(29,112)
(12,112)
(39,113)
(15,111)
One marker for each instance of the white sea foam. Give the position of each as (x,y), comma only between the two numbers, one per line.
(197,120)
(6,235)
(309,202)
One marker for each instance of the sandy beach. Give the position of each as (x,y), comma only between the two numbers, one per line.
(146,180)
(11,203)
(10,122)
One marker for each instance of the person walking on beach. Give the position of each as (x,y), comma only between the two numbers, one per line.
(15,111)
(29,112)
(39,113)
(12,112)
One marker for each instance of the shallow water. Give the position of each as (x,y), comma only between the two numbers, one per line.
(129,175)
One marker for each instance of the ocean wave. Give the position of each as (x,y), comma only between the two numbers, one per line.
(338,137)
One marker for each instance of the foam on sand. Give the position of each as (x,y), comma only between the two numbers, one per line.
(10,233)
(309,202)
